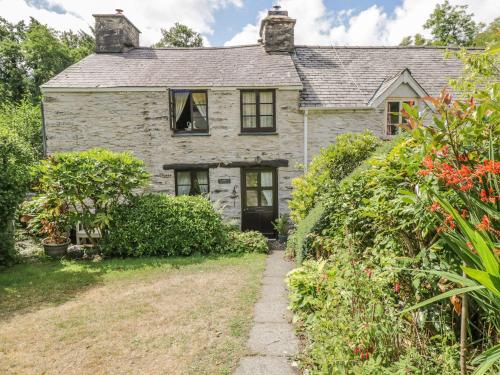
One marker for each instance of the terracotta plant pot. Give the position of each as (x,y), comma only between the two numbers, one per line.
(55,250)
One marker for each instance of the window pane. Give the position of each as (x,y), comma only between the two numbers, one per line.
(199,121)
(184,178)
(200,98)
(266,109)
(266,121)
(248,97)
(249,109)
(266,179)
(266,97)
(252,200)
(393,113)
(251,179)
(202,177)
(249,122)
(266,198)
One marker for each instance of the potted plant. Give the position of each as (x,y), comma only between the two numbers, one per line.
(55,224)
(281,226)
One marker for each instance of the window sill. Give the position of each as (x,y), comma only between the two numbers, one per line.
(190,135)
(258,133)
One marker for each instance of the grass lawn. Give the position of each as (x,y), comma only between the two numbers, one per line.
(131,316)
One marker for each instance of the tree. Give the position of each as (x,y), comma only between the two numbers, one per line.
(32,54)
(490,35)
(452,25)
(179,36)
(13,74)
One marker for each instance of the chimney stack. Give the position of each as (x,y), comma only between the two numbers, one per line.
(277,31)
(115,33)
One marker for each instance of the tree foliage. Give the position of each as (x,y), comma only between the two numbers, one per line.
(91,183)
(453,26)
(32,54)
(15,157)
(179,36)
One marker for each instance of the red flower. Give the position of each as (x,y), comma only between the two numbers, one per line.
(484,224)
(368,272)
(449,222)
(397,287)
(435,207)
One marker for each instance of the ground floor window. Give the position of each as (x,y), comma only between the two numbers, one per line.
(394,116)
(191,182)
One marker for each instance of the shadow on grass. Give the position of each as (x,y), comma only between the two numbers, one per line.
(29,287)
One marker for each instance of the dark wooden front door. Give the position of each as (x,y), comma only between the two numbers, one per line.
(259,199)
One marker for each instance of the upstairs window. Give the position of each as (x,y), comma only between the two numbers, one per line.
(258,111)
(192,182)
(394,116)
(189,111)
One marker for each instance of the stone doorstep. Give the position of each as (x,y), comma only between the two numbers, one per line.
(265,365)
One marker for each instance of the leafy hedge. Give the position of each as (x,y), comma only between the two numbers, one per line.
(159,224)
(329,167)
(165,225)
(15,158)
(242,242)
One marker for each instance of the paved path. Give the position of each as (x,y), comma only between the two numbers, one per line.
(272,341)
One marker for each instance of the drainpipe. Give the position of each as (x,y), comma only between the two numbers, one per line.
(305,140)
(44,134)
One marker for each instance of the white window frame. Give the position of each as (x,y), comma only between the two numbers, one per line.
(400,100)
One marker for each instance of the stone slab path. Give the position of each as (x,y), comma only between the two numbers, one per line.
(272,341)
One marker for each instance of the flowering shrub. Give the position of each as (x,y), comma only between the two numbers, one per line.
(427,207)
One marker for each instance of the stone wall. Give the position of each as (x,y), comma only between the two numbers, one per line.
(324,126)
(138,121)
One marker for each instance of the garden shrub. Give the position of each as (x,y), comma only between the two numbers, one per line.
(331,165)
(165,225)
(15,158)
(244,242)
(382,240)
(91,183)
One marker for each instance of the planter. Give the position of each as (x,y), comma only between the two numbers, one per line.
(282,238)
(54,250)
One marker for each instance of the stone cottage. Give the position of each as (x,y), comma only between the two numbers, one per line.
(237,123)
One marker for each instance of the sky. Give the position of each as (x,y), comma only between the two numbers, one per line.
(235,22)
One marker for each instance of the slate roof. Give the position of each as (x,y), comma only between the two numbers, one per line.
(348,77)
(241,66)
(331,76)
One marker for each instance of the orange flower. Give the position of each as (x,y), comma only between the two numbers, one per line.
(435,207)
(484,224)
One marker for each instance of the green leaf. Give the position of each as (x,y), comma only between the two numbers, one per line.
(487,359)
(488,259)
(489,281)
(444,295)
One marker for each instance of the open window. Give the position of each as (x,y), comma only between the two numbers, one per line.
(189,111)
(258,111)
(394,116)
(191,182)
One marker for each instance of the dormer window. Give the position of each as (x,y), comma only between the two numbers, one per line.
(394,116)
(189,111)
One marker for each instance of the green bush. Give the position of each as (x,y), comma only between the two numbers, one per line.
(164,225)
(25,119)
(297,242)
(330,166)
(244,242)
(15,157)
(91,183)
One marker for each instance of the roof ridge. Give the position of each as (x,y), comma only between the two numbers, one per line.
(387,47)
(198,48)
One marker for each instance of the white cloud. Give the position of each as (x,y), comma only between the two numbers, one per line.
(370,26)
(149,16)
